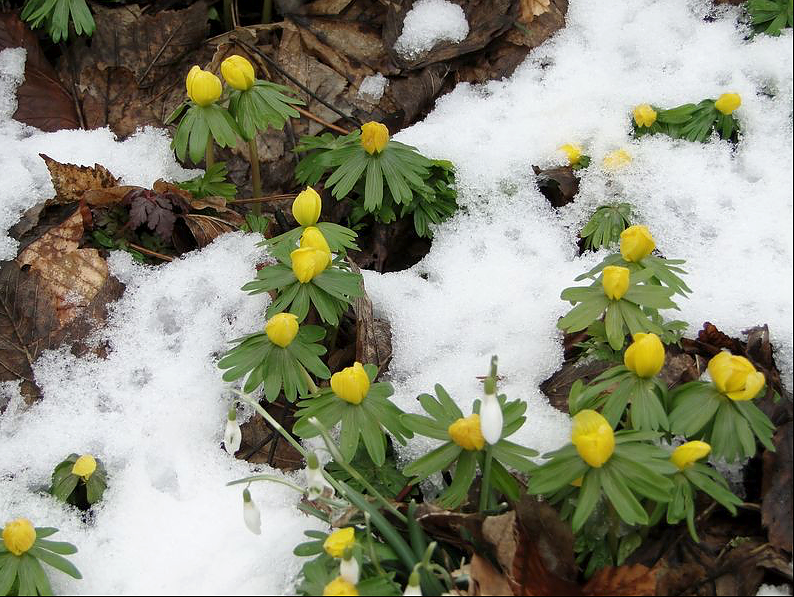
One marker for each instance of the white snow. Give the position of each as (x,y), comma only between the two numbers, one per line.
(373,87)
(429,22)
(774,591)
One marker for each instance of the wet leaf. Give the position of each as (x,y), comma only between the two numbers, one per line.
(558,185)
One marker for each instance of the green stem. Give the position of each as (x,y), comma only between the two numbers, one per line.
(309,381)
(373,556)
(209,153)
(267,11)
(485,487)
(256,182)
(272,478)
(227,15)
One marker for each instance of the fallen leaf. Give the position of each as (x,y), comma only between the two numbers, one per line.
(623,580)
(529,9)
(71,181)
(485,579)
(206,229)
(776,506)
(715,338)
(558,185)
(558,386)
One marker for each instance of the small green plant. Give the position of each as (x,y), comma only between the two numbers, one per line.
(605,226)
(23,550)
(54,15)
(210,184)
(770,16)
(693,122)
(79,480)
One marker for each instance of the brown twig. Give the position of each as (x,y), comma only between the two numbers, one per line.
(151,253)
(266,199)
(316,118)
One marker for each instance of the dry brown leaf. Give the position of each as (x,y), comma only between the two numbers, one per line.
(529,9)
(484,579)
(776,507)
(71,181)
(206,229)
(623,580)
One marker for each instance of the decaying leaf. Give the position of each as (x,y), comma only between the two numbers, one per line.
(529,9)
(71,181)
(623,580)
(776,508)
(485,579)
(206,229)
(558,185)
(157,210)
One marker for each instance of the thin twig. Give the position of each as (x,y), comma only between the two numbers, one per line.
(266,199)
(151,253)
(316,118)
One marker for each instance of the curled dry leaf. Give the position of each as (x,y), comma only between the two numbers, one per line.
(623,580)
(485,579)
(71,181)
(529,9)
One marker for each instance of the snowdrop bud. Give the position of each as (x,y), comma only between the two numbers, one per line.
(593,437)
(636,243)
(339,587)
(467,433)
(687,454)
(574,153)
(19,536)
(84,466)
(307,263)
(203,87)
(232,437)
(645,356)
(644,115)
(728,102)
(251,516)
(351,384)
(374,137)
(315,481)
(491,419)
(413,587)
(306,207)
(348,568)
(615,281)
(282,328)
(340,541)
(735,376)
(238,72)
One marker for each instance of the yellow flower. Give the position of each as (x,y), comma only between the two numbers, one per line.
(728,102)
(203,87)
(314,239)
(282,329)
(574,152)
(467,433)
(238,72)
(593,437)
(306,207)
(84,466)
(374,137)
(351,384)
(645,356)
(340,587)
(308,262)
(735,376)
(339,541)
(615,281)
(686,454)
(617,159)
(636,243)
(644,115)
(19,536)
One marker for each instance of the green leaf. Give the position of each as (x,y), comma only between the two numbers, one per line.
(437,460)
(462,478)
(56,561)
(9,564)
(614,326)
(589,494)
(626,505)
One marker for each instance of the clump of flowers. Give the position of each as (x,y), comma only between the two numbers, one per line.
(79,480)
(693,122)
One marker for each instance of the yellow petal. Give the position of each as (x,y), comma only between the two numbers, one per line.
(687,454)
(313,238)
(339,587)
(306,207)
(339,541)
(308,262)
(735,376)
(374,137)
(282,328)
(351,384)
(238,72)
(84,466)
(753,384)
(645,356)
(466,433)
(593,437)
(728,102)
(615,281)
(19,536)
(203,87)
(617,159)
(644,115)
(636,243)
(573,152)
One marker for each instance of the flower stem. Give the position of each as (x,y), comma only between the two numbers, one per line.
(273,478)
(227,15)
(309,381)
(267,11)
(256,182)
(485,487)
(373,556)
(209,153)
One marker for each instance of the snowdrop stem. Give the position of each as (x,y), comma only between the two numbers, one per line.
(272,478)
(373,556)
(273,423)
(340,460)
(485,487)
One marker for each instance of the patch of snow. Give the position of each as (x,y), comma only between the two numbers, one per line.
(774,591)
(373,87)
(429,22)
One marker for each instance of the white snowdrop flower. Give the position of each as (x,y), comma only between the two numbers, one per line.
(251,516)
(232,437)
(348,569)
(491,420)
(315,481)
(413,587)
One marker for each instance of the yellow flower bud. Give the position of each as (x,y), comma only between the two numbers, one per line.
(645,356)
(467,433)
(282,329)
(238,72)
(306,207)
(84,466)
(339,541)
(728,102)
(203,87)
(374,137)
(617,159)
(615,281)
(574,153)
(351,384)
(644,115)
(308,262)
(735,376)
(340,587)
(314,239)
(687,454)
(19,536)
(636,243)
(593,437)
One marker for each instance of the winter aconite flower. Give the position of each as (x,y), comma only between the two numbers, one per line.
(232,435)
(203,87)
(687,454)
(593,437)
(339,541)
(306,207)
(615,281)
(351,384)
(617,159)
(644,115)
(84,466)
(645,356)
(282,328)
(728,102)
(238,72)
(735,376)
(312,237)
(251,515)
(374,137)
(636,243)
(467,433)
(574,153)
(19,536)
(339,587)
(308,262)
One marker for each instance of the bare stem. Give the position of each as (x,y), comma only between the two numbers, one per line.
(256,182)
(209,153)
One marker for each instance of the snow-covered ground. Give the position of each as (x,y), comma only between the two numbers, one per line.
(154,410)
